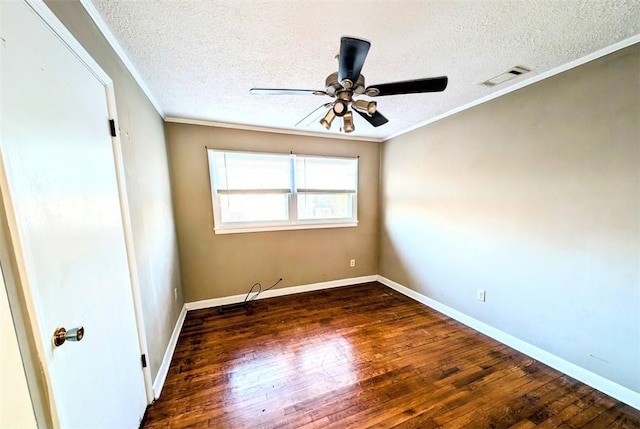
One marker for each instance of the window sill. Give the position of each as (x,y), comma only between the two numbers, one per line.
(245,229)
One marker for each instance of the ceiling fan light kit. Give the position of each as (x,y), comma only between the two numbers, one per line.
(348,81)
(368,107)
(347,123)
(328,119)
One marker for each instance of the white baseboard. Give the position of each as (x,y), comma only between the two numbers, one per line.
(158,383)
(596,381)
(215,302)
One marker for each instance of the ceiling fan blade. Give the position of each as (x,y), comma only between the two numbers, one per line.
(314,115)
(376,119)
(432,84)
(277,91)
(353,52)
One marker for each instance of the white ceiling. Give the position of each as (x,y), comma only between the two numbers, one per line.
(199,58)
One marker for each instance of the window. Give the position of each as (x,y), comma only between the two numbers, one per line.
(267,191)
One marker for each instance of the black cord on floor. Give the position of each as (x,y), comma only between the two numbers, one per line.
(253,298)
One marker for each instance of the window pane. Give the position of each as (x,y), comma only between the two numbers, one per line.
(238,171)
(254,207)
(325,206)
(253,190)
(326,173)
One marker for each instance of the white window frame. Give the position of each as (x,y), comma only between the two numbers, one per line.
(293,223)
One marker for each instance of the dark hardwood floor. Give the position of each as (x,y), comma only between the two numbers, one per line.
(363,356)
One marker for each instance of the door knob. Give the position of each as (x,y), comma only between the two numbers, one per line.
(61,335)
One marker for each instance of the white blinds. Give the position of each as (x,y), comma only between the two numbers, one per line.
(333,175)
(236,171)
(251,191)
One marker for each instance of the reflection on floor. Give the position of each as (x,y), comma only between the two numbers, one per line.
(361,356)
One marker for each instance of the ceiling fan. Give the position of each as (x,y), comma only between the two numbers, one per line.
(347,82)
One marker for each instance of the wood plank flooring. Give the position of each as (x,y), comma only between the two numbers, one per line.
(363,356)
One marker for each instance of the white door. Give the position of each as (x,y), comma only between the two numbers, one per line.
(61,193)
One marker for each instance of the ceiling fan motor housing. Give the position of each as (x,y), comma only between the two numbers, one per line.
(332,86)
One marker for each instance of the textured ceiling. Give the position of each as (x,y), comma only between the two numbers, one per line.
(200,58)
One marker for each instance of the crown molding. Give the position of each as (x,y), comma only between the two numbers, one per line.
(268,130)
(115,45)
(530,81)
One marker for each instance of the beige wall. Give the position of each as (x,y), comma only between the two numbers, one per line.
(222,265)
(148,186)
(534,197)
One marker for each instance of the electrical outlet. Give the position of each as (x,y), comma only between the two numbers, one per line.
(482,295)
(352,263)
(175,293)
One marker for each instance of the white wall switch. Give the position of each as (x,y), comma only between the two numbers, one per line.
(482,295)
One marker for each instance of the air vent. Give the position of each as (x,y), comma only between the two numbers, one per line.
(502,78)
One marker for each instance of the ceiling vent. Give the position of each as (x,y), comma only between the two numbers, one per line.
(502,78)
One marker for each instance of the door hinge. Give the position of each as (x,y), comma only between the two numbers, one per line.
(143,358)
(112,127)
